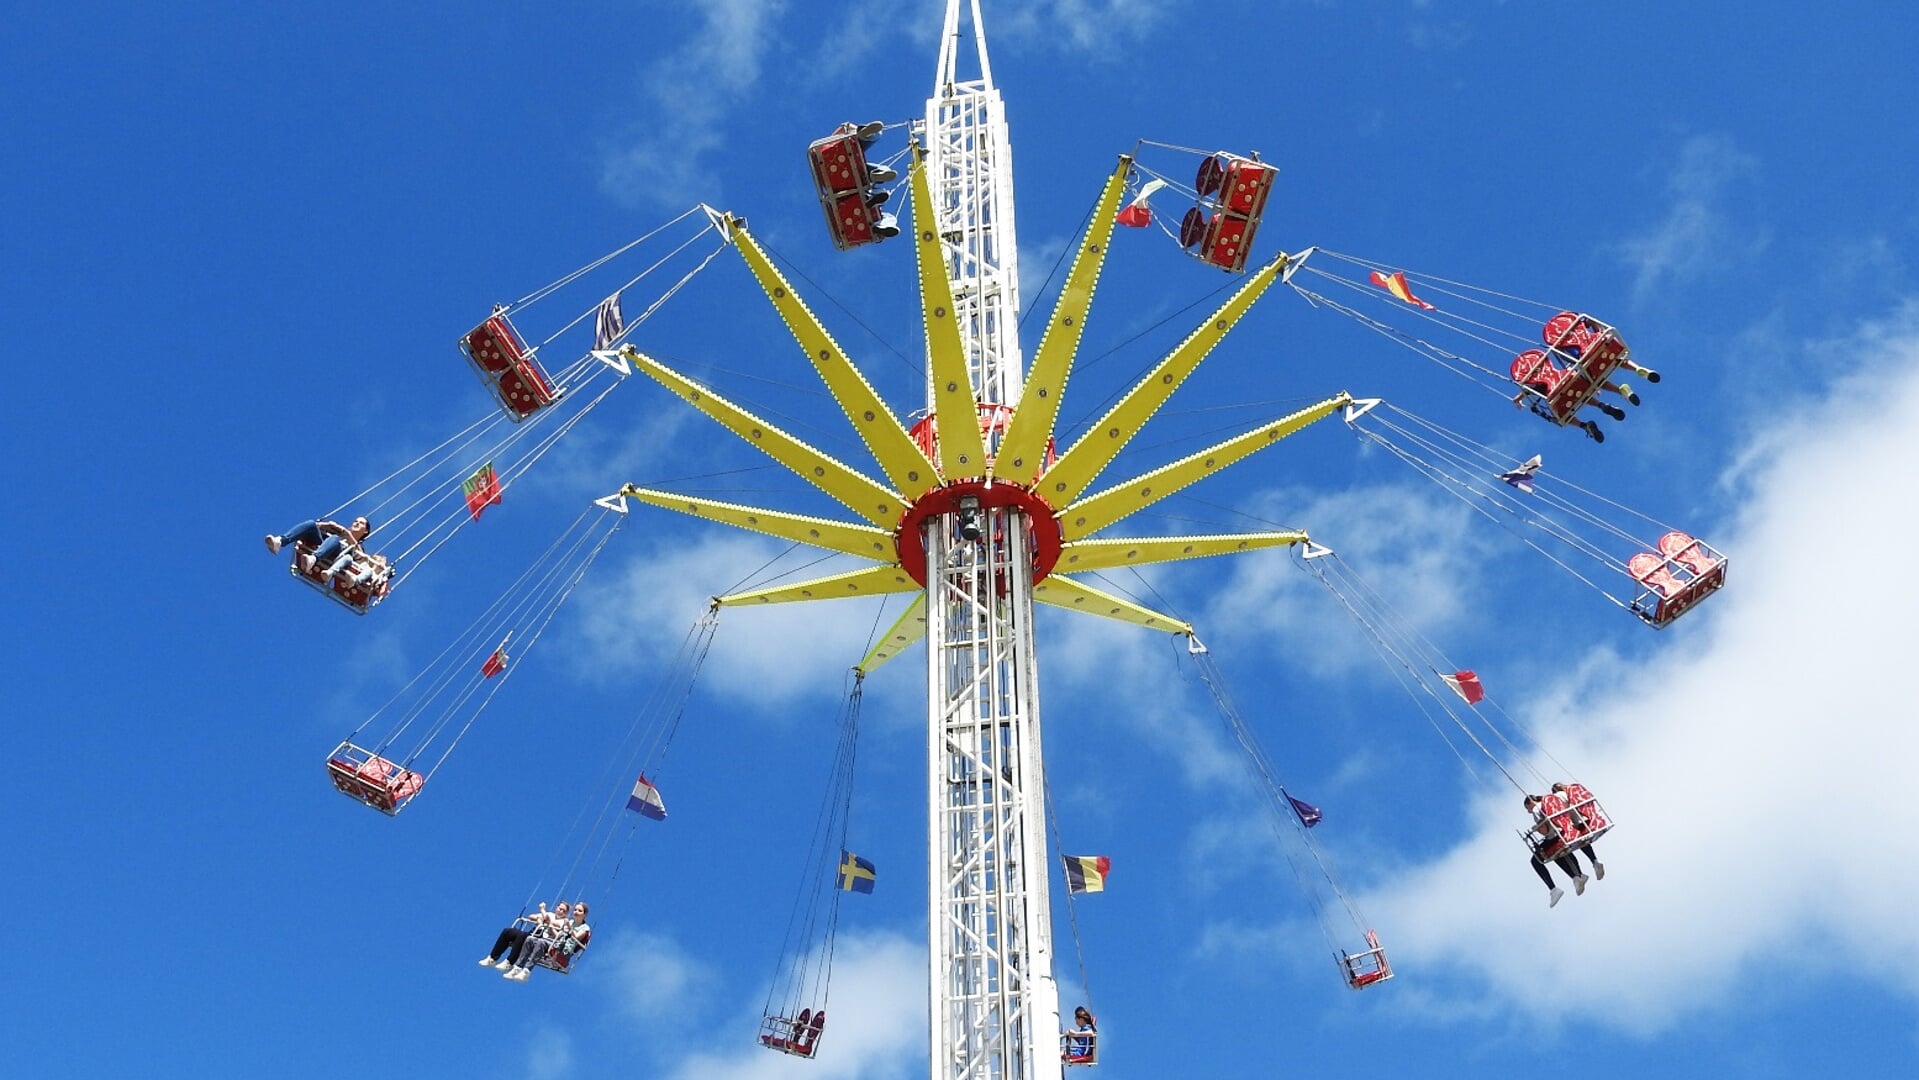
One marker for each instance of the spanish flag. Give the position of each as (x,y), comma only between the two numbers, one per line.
(1395,283)
(1087,873)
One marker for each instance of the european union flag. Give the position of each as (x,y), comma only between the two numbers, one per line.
(856,874)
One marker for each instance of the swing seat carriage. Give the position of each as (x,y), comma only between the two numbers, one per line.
(1369,966)
(1575,819)
(1580,358)
(365,776)
(508,368)
(845,184)
(562,950)
(796,1035)
(358,585)
(1232,197)
(1079,1048)
(1680,574)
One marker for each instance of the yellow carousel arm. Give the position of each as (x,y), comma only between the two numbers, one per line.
(863,496)
(863,540)
(1078,465)
(1022,451)
(1095,512)
(962,450)
(904,463)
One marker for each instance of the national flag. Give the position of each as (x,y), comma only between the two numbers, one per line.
(856,874)
(1087,873)
(607,324)
(646,800)
(1467,685)
(1395,283)
(1309,814)
(495,663)
(1136,214)
(482,490)
(1522,477)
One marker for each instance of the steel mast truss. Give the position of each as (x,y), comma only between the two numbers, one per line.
(971,162)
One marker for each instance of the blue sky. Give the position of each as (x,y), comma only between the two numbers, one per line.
(242,242)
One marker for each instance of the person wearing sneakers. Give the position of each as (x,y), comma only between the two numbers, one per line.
(1579,822)
(1538,377)
(1570,333)
(331,545)
(510,947)
(567,937)
(1564,860)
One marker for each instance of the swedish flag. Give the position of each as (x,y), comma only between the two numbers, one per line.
(856,874)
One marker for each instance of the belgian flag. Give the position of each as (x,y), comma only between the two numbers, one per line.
(1087,873)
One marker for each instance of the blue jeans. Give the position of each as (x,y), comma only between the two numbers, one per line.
(326,547)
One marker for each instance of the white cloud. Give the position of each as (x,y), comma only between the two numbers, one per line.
(1088,659)
(1087,25)
(876,1024)
(778,651)
(1696,234)
(862,27)
(549,1055)
(654,980)
(1754,762)
(1420,548)
(689,92)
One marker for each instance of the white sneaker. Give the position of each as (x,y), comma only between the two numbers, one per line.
(1554,896)
(1579,885)
(486,961)
(273,543)
(1599,870)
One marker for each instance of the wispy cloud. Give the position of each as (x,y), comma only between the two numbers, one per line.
(663,159)
(1425,551)
(655,982)
(1697,232)
(637,616)
(1749,763)
(549,1055)
(876,1030)
(1079,24)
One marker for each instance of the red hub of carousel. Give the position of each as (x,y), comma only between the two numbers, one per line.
(910,544)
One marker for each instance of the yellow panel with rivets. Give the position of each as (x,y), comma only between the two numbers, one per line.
(865,497)
(1094,513)
(904,463)
(962,450)
(1023,451)
(905,631)
(1078,466)
(863,540)
(873,581)
(1083,555)
(1064,592)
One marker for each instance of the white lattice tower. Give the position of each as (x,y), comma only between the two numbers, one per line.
(994,1006)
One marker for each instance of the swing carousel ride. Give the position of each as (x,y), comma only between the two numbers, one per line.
(977,513)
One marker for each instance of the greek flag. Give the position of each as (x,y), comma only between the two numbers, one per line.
(607,324)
